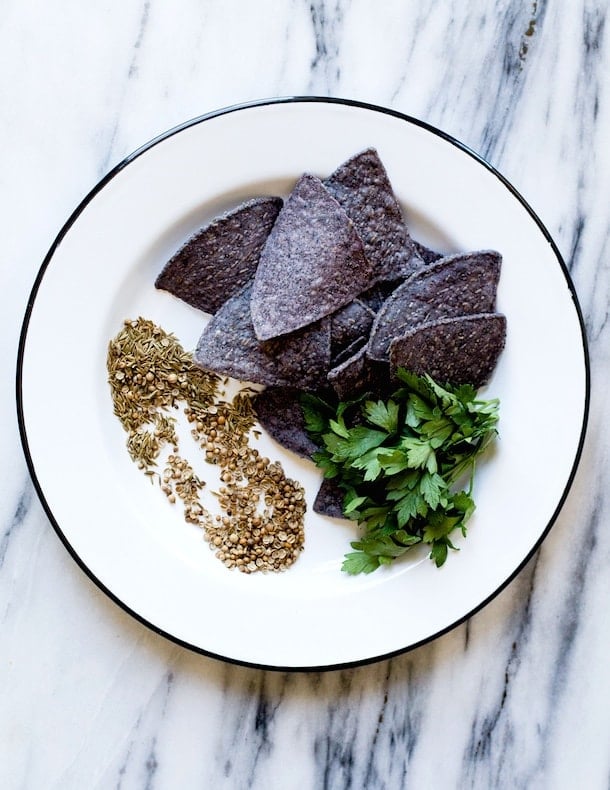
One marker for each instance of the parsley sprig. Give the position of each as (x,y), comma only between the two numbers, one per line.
(402,463)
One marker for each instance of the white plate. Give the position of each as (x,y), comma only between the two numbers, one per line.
(121,530)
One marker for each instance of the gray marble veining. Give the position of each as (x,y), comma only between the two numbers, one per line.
(517,697)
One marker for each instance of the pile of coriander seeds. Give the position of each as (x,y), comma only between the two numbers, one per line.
(260,526)
(263,511)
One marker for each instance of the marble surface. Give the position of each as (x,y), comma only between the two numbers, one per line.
(518,696)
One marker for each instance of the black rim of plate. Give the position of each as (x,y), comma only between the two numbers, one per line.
(72,219)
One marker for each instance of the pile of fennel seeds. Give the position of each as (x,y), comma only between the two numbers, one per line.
(260,527)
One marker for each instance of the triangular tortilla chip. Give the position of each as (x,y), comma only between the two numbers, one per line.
(361,185)
(461,350)
(220,259)
(312,264)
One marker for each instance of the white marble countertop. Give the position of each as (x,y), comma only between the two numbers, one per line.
(518,696)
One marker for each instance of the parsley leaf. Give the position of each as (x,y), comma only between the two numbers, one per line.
(357,441)
(385,415)
(439,551)
(359,562)
(420,454)
(432,486)
(316,414)
(375,550)
(409,507)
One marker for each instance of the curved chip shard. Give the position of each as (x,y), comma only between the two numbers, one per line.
(222,257)
(463,284)
(462,350)
(228,346)
(312,263)
(362,187)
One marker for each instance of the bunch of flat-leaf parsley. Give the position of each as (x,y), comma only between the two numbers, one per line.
(400,463)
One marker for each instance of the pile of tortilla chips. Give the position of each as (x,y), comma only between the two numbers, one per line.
(327,292)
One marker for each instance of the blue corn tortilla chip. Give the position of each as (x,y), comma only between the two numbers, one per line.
(463,284)
(312,264)
(375,296)
(461,350)
(222,257)
(425,253)
(361,185)
(303,357)
(329,499)
(351,376)
(279,412)
(349,324)
(348,351)
(357,374)
(228,346)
